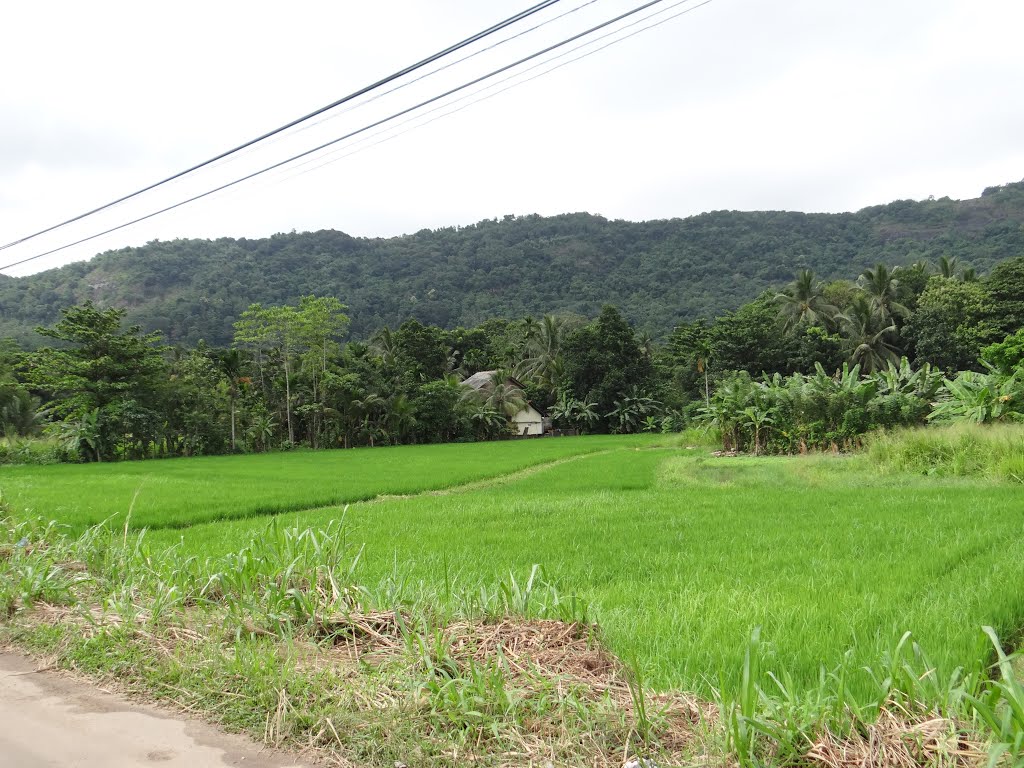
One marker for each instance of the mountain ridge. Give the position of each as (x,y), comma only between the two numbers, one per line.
(659,272)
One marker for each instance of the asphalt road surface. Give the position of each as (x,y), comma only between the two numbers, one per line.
(48,720)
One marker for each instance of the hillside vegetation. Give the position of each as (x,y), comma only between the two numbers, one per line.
(659,272)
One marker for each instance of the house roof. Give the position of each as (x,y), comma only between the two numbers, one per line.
(478,380)
(485,380)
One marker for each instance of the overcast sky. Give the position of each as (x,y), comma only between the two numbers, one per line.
(813,105)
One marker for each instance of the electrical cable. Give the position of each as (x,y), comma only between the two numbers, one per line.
(339,112)
(433,72)
(504,80)
(356,94)
(287,161)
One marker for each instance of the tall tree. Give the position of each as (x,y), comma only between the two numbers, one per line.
(100,368)
(870,336)
(421,352)
(603,362)
(689,349)
(322,321)
(804,304)
(1005,284)
(543,362)
(232,366)
(751,339)
(882,287)
(278,329)
(952,324)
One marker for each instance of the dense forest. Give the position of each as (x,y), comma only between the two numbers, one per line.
(813,365)
(660,273)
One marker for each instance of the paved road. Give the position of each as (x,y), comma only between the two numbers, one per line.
(47,720)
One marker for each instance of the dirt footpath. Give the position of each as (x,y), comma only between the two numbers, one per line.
(48,720)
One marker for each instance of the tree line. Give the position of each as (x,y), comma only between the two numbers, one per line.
(813,365)
(658,273)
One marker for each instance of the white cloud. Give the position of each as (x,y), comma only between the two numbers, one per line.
(740,104)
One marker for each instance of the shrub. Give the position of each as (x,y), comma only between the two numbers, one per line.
(995,451)
(31,451)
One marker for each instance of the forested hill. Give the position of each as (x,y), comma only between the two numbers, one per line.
(657,272)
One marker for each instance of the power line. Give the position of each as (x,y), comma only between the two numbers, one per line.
(356,94)
(402,113)
(509,87)
(449,65)
(377,96)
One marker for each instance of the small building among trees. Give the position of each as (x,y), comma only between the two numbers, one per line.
(507,395)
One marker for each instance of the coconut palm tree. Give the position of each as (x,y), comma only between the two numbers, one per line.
(384,344)
(20,415)
(645,344)
(503,397)
(543,361)
(803,304)
(400,417)
(882,290)
(497,395)
(869,335)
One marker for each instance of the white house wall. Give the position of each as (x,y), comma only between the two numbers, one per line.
(529,419)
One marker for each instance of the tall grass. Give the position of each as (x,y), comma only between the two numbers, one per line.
(232,637)
(959,450)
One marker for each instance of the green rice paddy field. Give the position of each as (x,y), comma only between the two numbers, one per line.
(678,554)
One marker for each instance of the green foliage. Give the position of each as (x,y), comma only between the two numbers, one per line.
(570,413)
(421,351)
(804,412)
(957,450)
(952,323)
(882,289)
(542,362)
(635,412)
(1005,284)
(604,364)
(102,379)
(979,398)
(1001,705)
(36,451)
(751,339)
(803,304)
(869,334)
(180,492)
(1007,355)
(661,273)
(499,395)
(19,413)
(291,381)
(441,415)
